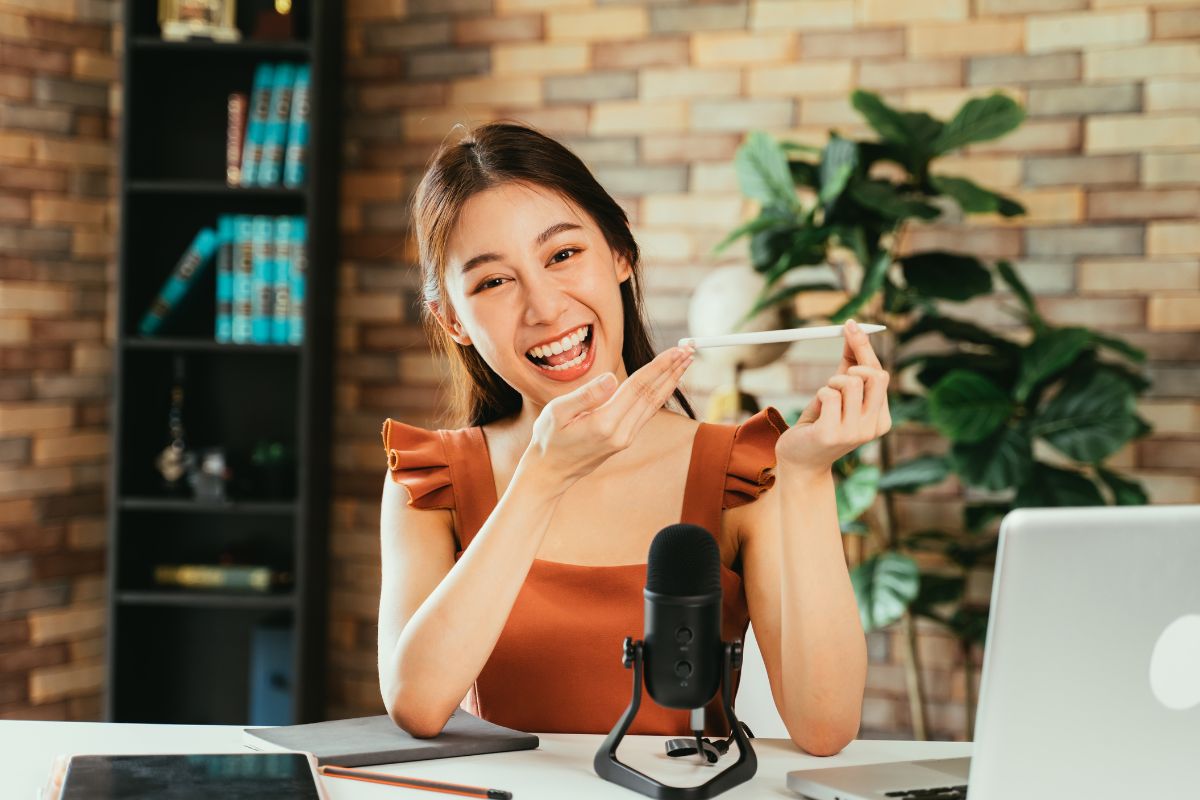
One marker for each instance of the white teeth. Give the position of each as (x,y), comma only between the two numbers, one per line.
(566,343)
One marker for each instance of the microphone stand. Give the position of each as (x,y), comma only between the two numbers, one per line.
(612,769)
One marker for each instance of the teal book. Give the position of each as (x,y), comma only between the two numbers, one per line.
(270,166)
(298,278)
(189,267)
(296,153)
(262,247)
(282,284)
(243,270)
(225,228)
(260,108)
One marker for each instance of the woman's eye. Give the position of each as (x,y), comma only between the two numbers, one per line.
(564,250)
(488,284)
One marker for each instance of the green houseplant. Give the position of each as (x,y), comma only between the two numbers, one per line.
(1027,414)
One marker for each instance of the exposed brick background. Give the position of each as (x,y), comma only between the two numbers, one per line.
(57,244)
(657,97)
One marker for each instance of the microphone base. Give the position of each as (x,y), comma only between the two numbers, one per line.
(613,770)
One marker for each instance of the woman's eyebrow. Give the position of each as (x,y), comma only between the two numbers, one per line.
(542,238)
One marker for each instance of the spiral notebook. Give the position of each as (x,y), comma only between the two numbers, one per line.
(367,741)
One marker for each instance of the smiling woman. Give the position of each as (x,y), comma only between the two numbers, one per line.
(514,547)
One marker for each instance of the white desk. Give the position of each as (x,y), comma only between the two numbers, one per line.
(561,767)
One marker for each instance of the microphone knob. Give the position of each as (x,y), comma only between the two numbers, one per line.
(683,669)
(736,654)
(683,635)
(627,652)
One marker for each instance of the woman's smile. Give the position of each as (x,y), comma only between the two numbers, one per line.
(574,358)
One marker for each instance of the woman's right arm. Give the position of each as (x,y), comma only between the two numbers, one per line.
(439,620)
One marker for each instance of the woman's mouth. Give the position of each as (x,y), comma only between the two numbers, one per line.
(574,357)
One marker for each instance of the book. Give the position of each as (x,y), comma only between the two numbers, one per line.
(282,285)
(235,577)
(189,267)
(260,107)
(225,234)
(275,130)
(298,276)
(262,249)
(243,271)
(235,135)
(297,134)
(367,741)
(270,681)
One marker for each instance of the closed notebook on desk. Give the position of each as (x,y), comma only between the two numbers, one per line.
(366,741)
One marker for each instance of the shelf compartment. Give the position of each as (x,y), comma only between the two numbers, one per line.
(212,187)
(188,665)
(197,599)
(184,506)
(144,30)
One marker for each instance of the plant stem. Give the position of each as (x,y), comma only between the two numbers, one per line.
(908,628)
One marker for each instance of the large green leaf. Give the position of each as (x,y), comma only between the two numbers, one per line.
(967,407)
(1049,486)
(1090,418)
(1001,461)
(884,585)
(767,300)
(908,408)
(763,173)
(979,120)
(1120,346)
(769,217)
(937,589)
(871,283)
(837,165)
(1047,355)
(976,516)
(856,492)
(914,131)
(974,199)
(999,368)
(806,247)
(1125,492)
(914,474)
(956,330)
(946,275)
(1018,287)
(884,198)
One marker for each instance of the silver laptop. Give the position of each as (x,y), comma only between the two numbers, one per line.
(1091,674)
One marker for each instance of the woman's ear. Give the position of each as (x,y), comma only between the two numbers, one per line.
(449,322)
(624,270)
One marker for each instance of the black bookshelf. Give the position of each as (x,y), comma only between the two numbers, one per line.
(185,655)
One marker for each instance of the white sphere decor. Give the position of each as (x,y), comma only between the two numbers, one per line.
(718,302)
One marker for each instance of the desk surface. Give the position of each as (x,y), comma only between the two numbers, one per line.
(562,765)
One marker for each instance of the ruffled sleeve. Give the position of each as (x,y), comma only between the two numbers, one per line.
(417,460)
(752,460)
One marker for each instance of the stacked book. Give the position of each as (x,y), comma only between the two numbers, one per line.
(267,136)
(261,276)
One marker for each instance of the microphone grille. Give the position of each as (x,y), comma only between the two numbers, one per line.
(684,560)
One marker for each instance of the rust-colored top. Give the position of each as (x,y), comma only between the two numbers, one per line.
(557,665)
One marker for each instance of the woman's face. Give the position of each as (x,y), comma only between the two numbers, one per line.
(534,286)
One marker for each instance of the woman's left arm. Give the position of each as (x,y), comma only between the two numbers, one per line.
(798,588)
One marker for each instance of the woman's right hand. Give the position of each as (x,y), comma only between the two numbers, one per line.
(580,430)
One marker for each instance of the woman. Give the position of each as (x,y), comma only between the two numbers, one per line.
(514,555)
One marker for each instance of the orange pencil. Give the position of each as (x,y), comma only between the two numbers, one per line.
(413,783)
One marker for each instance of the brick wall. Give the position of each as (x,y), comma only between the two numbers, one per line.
(57,204)
(657,97)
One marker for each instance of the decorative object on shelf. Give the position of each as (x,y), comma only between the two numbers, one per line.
(180,20)
(175,460)
(210,476)
(225,577)
(274,465)
(272,20)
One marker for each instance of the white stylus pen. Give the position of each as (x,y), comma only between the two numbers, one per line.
(767,337)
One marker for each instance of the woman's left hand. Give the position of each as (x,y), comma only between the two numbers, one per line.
(849,411)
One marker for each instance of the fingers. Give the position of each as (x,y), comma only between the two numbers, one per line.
(875,407)
(642,412)
(857,349)
(585,398)
(851,389)
(644,386)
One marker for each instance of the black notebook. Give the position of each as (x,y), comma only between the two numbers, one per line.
(367,741)
(237,776)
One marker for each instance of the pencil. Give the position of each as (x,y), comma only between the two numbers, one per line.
(413,783)
(767,337)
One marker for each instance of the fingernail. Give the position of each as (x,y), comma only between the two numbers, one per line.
(852,325)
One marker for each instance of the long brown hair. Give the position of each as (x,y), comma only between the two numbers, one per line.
(489,155)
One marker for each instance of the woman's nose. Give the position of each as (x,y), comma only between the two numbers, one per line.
(544,302)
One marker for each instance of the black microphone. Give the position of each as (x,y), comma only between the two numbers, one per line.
(683,648)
